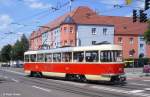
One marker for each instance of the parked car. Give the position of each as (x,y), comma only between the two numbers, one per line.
(146,68)
(5,65)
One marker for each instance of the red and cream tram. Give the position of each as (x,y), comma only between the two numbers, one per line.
(98,63)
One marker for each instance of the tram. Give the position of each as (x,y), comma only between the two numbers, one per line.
(93,63)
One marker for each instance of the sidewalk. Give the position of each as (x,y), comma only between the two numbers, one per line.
(13,69)
(135,72)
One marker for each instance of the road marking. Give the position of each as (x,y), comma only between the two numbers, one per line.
(15,80)
(133,92)
(136,91)
(44,89)
(15,72)
(146,80)
(5,77)
(147,89)
(10,94)
(138,84)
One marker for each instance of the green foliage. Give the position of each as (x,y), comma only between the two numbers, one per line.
(16,52)
(5,53)
(147,36)
(19,48)
(138,62)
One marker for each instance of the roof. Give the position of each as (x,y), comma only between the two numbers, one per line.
(82,48)
(85,15)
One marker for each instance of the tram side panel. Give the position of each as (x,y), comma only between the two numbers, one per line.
(91,71)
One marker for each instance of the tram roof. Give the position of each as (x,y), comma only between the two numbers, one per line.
(81,48)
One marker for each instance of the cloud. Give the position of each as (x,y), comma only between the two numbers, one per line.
(5,21)
(138,4)
(129,15)
(35,4)
(113,2)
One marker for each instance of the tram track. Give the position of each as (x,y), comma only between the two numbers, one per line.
(42,82)
(85,90)
(71,88)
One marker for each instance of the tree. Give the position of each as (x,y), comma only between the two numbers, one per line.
(147,36)
(24,43)
(5,53)
(19,48)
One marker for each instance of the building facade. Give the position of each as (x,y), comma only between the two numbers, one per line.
(95,34)
(83,27)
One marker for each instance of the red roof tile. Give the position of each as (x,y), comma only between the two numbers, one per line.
(85,15)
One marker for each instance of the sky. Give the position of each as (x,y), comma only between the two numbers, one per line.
(19,17)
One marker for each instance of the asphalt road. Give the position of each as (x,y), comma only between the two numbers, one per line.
(14,83)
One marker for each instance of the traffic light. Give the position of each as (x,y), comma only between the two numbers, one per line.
(147,4)
(128,2)
(134,15)
(143,16)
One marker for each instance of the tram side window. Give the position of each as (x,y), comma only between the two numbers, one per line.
(111,56)
(66,57)
(26,59)
(118,56)
(40,57)
(33,58)
(57,57)
(48,58)
(91,56)
(78,56)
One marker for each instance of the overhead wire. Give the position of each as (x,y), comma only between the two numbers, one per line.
(59,9)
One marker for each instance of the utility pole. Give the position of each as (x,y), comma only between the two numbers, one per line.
(71,4)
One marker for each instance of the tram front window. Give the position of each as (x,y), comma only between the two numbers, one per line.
(26,59)
(111,56)
(91,56)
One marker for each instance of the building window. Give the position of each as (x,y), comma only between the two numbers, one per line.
(141,46)
(131,40)
(141,38)
(131,52)
(71,42)
(104,31)
(65,42)
(71,29)
(93,42)
(93,31)
(120,40)
(65,29)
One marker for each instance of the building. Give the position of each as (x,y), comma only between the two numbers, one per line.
(83,27)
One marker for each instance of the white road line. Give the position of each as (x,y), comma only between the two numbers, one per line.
(15,80)
(43,89)
(5,77)
(136,91)
(133,92)
(138,84)
(147,89)
(146,80)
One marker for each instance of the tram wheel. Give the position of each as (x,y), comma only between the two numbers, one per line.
(81,78)
(76,77)
(36,74)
